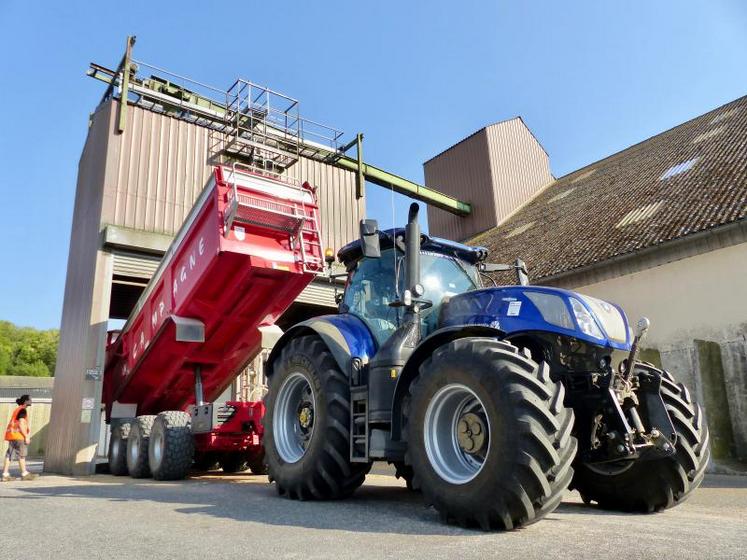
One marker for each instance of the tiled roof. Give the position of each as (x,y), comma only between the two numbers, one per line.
(683,181)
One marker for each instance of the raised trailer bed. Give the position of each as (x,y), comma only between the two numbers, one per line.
(246,251)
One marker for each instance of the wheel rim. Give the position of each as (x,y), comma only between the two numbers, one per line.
(158,442)
(293,419)
(457,433)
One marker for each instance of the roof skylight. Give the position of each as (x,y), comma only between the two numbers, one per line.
(708,134)
(561,195)
(519,230)
(725,115)
(583,176)
(639,214)
(679,168)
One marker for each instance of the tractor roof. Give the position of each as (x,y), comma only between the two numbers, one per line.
(396,236)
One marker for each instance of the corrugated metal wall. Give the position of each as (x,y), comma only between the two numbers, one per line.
(496,169)
(161,164)
(340,209)
(463,169)
(519,165)
(145,179)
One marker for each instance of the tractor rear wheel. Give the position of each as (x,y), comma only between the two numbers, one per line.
(403,471)
(120,431)
(171,445)
(137,446)
(649,486)
(307,424)
(489,439)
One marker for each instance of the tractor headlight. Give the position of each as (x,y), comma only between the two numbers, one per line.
(612,320)
(585,320)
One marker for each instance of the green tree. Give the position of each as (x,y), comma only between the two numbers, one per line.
(27,351)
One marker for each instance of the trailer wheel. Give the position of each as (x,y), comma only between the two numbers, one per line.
(171,445)
(233,462)
(120,431)
(649,486)
(257,464)
(307,425)
(489,439)
(137,446)
(205,461)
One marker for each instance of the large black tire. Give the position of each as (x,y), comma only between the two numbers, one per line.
(650,486)
(324,470)
(526,465)
(233,462)
(137,446)
(171,445)
(257,464)
(120,431)
(405,472)
(205,461)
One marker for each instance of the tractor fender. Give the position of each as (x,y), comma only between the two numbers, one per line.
(346,336)
(412,368)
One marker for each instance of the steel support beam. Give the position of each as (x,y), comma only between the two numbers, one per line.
(364,171)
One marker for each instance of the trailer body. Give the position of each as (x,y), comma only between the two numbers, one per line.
(249,247)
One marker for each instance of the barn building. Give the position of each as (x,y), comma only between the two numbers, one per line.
(658,228)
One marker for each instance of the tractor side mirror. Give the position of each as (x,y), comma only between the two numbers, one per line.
(370,239)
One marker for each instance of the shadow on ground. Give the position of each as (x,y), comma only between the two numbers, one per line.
(372,509)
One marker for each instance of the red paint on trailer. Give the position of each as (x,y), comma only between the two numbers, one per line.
(233,283)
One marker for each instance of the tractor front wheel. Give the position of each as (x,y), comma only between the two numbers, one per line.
(489,439)
(307,424)
(649,486)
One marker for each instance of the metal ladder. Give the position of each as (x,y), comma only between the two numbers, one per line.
(358,412)
(310,236)
(359,424)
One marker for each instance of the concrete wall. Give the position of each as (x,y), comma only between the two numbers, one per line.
(698,310)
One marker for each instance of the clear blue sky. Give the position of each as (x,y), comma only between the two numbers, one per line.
(589,78)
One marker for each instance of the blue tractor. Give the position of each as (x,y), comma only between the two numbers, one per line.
(492,401)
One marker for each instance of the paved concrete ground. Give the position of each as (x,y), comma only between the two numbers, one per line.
(212,516)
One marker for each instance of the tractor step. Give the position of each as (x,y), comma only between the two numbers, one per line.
(359,424)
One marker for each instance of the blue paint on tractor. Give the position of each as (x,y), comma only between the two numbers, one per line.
(511,310)
(355,332)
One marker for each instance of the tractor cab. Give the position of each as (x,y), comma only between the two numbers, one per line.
(375,291)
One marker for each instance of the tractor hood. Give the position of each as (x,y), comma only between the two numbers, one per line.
(516,309)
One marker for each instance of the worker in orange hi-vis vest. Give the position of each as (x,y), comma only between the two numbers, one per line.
(18,436)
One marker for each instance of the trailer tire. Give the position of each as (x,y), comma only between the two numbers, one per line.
(120,431)
(205,461)
(321,470)
(489,438)
(258,465)
(233,463)
(137,446)
(171,445)
(651,486)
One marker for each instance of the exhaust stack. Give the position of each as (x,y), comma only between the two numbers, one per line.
(412,248)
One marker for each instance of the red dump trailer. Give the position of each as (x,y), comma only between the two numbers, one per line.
(248,248)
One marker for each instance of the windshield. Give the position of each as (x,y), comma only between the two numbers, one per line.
(371,289)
